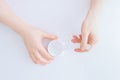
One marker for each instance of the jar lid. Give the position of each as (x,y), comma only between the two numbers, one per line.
(55,47)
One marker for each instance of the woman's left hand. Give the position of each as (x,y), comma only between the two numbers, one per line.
(88,36)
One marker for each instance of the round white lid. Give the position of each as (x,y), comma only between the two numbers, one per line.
(55,47)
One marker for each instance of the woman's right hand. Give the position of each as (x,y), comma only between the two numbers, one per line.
(33,40)
(32,36)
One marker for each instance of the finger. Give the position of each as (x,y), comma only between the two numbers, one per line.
(34,59)
(76,39)
(40,59)
(79,50)
(31,55)
(84,41)
(50,36)
(92,40)
(45,54)
(80,37)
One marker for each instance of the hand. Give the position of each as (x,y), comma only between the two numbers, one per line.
(32,36)
(88,36)
(33,40)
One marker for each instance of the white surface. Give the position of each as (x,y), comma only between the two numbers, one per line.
(63,18)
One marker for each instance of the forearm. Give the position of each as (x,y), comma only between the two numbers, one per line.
(94,9)
(9,18)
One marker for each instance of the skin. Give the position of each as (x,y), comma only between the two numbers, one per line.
(88,34)
(33,36)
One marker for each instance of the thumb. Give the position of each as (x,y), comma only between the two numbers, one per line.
(50,36)
(84,41)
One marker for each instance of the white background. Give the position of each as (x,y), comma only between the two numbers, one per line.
(63,18)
